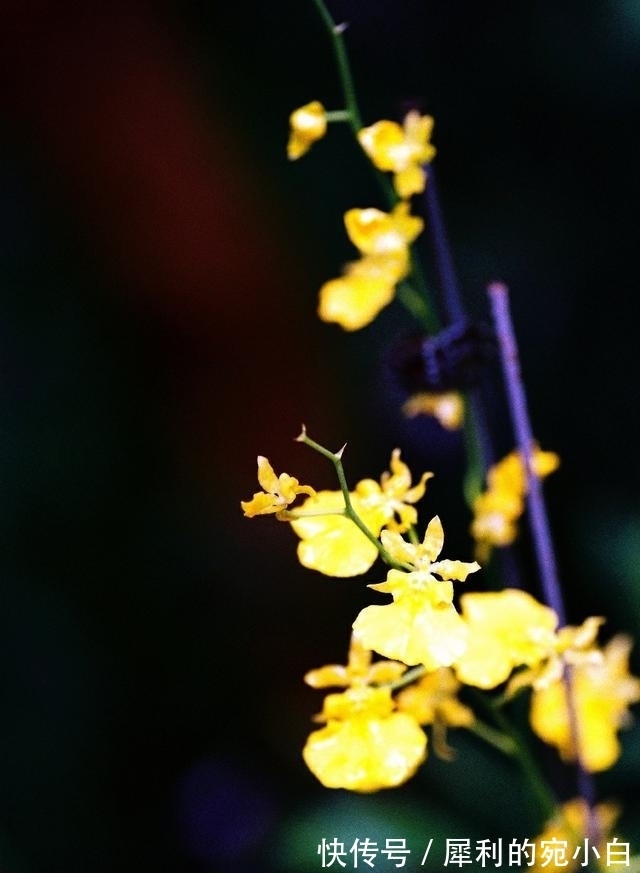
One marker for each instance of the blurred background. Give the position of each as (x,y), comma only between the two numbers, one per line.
(160,266)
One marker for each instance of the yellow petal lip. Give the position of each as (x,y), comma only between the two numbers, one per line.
(421,626)
(413,631)
(507,629)
(332,543)
(365,745)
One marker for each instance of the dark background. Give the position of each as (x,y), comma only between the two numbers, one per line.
(160,264)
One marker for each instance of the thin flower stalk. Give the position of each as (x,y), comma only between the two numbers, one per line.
(335,31)
(349,511)
(414,301)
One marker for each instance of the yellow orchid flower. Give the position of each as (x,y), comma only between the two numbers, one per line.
(447,408)
(509,474)
(570,827)
(602,691)
(365,745)
(570,645)
(361,293)
(306,125)
(395,495)
(433,699)
(402,150)
(368,285)
(279,492)
(374,232)
(497,510)
(329,541)
(507,629)
(359,670)
(333,544)
(421,625)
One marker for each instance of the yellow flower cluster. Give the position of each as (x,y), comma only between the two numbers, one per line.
(370,740)
(403,150)
(373,740)
(431,642)
(497,509)
(383,239)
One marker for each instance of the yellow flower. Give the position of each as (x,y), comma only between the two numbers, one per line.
(306,125)
(361,293)
(602,691)
(571,645)
(509,474)
(401,150)
(374,232)
(570,827)
(447,408)
(507,629)
(368,284)
(333,544)
(358,671)
(279,492)
(395,495)
(494,523)
(497,510)
(330,542)
(365,745)
(421,625)
(433,701)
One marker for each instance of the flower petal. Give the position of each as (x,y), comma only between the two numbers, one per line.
(366,754)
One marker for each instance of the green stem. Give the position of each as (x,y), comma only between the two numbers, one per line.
(415,303)
(477,460)
(409,676)
(338,115)
(540,789)
(344,68)
(502,742)
(349,511)
(352,110)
